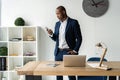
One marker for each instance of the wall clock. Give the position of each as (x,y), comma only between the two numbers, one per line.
(95,8)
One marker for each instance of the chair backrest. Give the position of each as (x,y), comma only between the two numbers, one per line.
(98,59)
(93,77)
(95,59)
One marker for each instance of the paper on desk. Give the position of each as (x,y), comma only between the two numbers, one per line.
(94,64)
(52,65)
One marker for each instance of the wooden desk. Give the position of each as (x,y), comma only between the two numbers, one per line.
(42,68)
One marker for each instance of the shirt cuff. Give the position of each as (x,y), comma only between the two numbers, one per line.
(74,51)
(50,35)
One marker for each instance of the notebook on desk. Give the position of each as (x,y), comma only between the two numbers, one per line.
(74,60)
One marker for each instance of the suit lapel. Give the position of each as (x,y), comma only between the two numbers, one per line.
(59,27)
(67,26)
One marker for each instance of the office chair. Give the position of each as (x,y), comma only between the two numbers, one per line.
(93,77)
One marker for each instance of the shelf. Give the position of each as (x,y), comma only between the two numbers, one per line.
(15,32)
(3,34)
(15,49)
(29,56)
(4,71)
(29,48)
(15,62)
(3,74)
(15,56)
(13,76)
(3,49)
(29,41)
(29,34)
(15,41)
(12,70)
(4,56)
(3,41)
(3,44)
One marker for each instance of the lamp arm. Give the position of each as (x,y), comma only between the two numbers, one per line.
(102,57)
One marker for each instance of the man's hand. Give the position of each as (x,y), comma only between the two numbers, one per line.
(72,52)
(50,32)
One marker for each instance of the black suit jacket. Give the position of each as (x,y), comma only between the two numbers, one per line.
(72,35)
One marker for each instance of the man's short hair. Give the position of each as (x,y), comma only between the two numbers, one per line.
(62,8)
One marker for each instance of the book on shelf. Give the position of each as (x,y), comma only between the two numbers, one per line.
(2,63)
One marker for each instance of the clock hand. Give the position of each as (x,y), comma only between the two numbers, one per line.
(94,4)
(98,3)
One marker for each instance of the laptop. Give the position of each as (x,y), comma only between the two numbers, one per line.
(74,60)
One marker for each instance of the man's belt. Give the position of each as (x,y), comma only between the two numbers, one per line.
(65,49)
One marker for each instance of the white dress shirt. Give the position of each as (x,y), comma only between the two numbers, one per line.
(62,42)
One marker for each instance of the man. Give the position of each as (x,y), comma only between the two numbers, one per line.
(67,35)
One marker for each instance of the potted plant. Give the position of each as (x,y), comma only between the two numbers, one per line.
(19,22)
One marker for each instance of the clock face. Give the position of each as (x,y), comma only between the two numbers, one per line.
(95,8)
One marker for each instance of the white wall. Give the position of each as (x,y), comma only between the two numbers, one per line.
(42,13)
(107,29)
(0,12)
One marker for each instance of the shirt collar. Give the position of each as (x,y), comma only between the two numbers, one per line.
(64,20)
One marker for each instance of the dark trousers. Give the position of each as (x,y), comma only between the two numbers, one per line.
(59,57)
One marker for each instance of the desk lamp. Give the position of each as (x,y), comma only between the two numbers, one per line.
(104,49)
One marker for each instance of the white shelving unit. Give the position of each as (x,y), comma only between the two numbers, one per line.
(22,47)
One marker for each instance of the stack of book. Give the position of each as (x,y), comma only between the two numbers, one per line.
(3,63)
(15,39)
